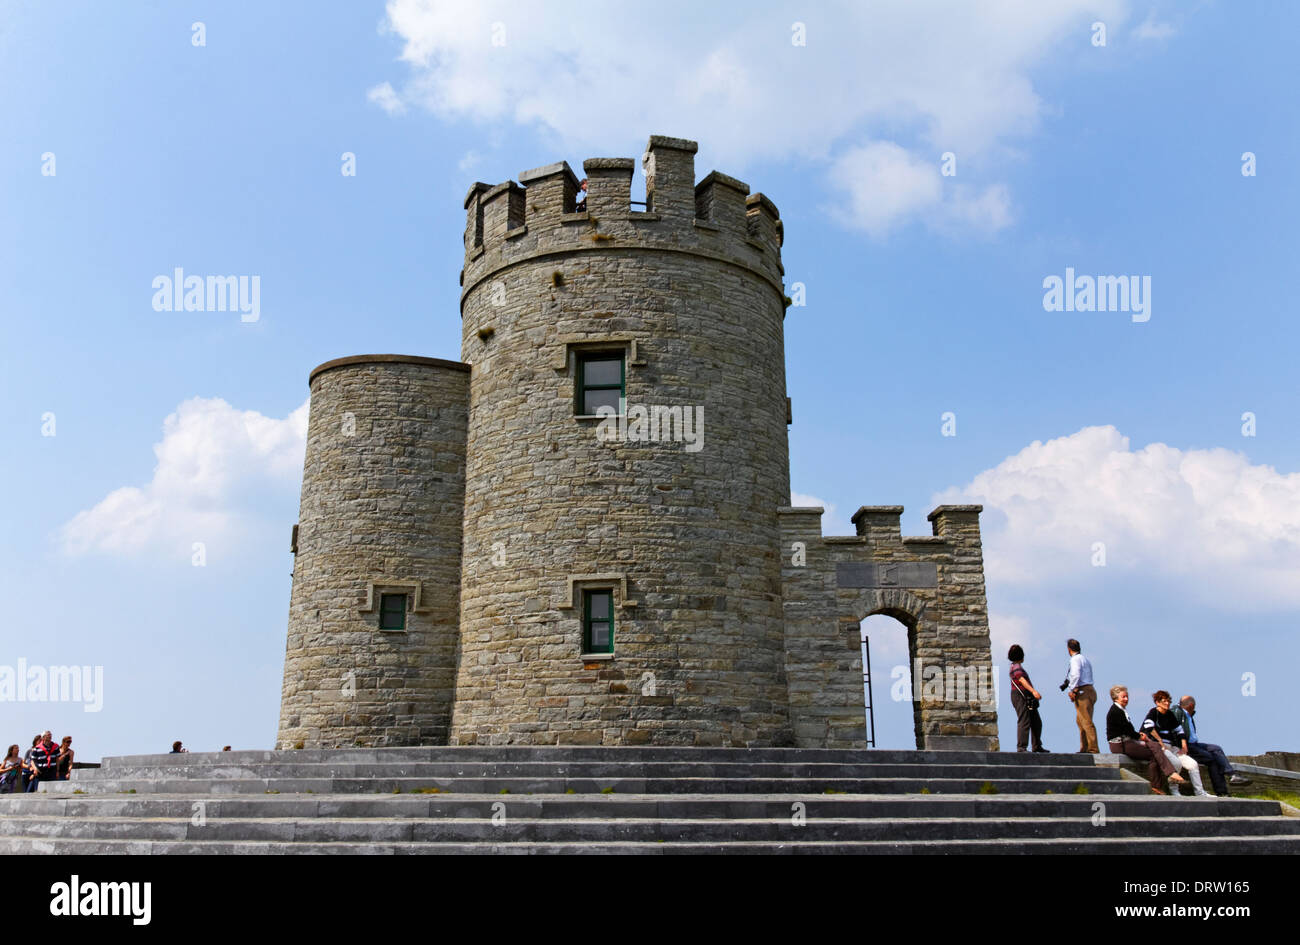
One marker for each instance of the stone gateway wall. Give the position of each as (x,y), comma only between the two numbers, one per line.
(934,585)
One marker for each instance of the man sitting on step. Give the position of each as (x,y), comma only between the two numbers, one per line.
(1211,756)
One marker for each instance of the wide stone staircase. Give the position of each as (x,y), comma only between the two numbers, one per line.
(520,799)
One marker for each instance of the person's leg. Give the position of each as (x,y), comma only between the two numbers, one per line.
(1140,752)
(1083,703)
(1175,762)
(1194,773)
(1089,696)
(1229,771)
(1221,757)
(1022,720)
(1036,729)
(1206,758)
(1166,762)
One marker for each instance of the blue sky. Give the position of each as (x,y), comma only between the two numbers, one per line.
(924,296)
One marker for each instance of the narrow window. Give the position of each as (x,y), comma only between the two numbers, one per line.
(600,383)
(392,611)
(598,621)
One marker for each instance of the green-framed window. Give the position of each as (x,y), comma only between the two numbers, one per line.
(601,382)
(598,621)
(392,611)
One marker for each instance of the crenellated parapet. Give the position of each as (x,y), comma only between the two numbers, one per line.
(537,216)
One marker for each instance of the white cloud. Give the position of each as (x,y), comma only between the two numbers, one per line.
(887,185)
(1207,522)
(1151,28)
(933,77)
(386,98)
(213,463)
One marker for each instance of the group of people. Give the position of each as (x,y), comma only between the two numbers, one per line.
(44,761)
(1166,740)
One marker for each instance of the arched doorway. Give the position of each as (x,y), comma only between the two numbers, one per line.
(892,714)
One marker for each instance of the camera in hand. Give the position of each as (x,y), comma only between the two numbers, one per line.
(1065,685)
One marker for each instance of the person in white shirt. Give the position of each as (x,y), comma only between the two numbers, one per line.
(1084,697)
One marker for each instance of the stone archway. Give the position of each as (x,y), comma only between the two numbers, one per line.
(909,611)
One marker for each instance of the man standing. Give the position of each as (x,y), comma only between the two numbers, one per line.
(1084,697)
(1212,756)
(46,757)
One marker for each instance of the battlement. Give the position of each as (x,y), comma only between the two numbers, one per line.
(540,214)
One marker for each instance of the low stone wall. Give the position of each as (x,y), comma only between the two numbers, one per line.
(1263,771)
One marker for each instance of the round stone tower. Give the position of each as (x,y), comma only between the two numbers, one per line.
(371,648)
(621,577)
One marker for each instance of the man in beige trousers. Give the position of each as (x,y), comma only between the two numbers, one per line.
(1083,695)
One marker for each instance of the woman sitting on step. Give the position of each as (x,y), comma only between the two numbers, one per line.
(1163,726)
(1125,740)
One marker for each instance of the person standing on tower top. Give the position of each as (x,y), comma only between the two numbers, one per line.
(581,205)
(1084,697)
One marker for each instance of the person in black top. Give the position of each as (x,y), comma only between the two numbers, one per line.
(46,757)
(66,755)
(1163,727)
(1025,700)
(31,775)
(1125,740)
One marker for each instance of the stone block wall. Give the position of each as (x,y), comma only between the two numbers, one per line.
(934,585)
(686,538)
(382,497)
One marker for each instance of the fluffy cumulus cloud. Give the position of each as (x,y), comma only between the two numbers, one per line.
(1208,523)
(212,464)
(874,96)
(883,185)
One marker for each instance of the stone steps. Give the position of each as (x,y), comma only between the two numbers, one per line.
(627,800)
(607,830)
(589,770)
(559,785)
(1158,846)
(577,806)
(549,753)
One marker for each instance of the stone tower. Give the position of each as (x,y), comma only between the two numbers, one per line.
(581,533)
(383,491)
(686,296)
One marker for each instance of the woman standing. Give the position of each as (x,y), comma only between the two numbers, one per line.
(65,758)
(11,768)
(1025,699)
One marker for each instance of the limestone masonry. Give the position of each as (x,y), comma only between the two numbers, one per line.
(484,556)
